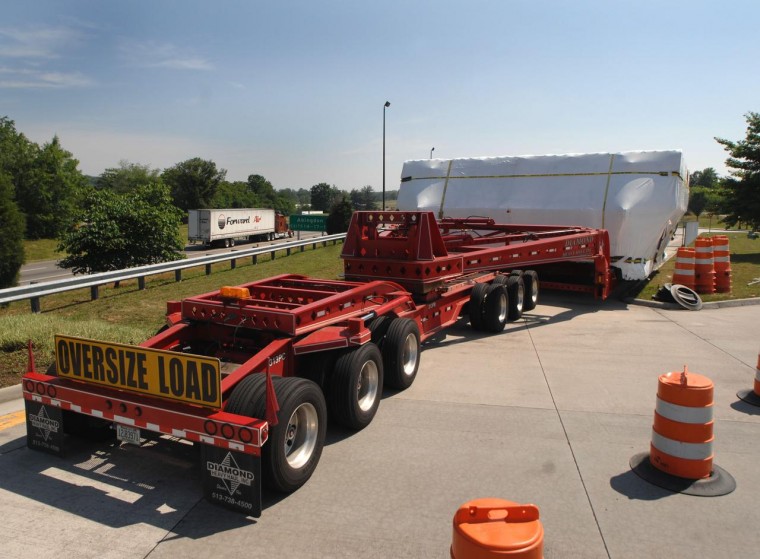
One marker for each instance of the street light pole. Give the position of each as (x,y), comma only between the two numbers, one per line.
(387,104)
(431,152)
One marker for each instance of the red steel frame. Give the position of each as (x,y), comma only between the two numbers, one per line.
(396,263)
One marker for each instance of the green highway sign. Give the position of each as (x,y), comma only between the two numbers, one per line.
(308,222)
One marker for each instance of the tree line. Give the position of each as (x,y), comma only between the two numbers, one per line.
(130,214)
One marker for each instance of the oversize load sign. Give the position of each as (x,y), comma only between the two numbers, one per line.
(166,374)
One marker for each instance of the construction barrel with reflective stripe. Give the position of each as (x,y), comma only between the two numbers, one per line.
(684,272)
(682,434)
(704,268)
(722,262)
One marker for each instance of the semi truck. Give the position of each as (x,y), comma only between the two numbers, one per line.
(248,373)
(225,227)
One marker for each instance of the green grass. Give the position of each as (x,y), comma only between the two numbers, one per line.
(129,315)
(41,249)
(44,249)
(745,267)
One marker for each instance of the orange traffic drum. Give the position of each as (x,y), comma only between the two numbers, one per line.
(494,528)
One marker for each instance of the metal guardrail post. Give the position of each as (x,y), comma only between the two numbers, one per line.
(255,259)
(94,292)
(208,269)
(141,283)
(272,254)
(177,275)
(233,263)
(35,301)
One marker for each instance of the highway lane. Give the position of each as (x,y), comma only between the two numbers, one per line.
(48,270)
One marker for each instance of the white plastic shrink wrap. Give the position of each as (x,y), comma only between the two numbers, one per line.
(638,196)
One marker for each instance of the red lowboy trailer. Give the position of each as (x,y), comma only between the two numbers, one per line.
(249,372)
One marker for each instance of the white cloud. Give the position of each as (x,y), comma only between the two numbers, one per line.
(152,54)
(19,78)
(36,42)
(33,48)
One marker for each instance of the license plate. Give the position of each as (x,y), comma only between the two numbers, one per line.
(127,434)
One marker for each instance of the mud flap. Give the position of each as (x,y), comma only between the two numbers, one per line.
(232,479)
(44,428)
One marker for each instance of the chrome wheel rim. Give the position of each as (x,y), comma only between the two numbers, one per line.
(301,435)
(366,389)
(520,296)
(503,307)
(410,354)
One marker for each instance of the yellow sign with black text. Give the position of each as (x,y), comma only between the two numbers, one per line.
(178,376)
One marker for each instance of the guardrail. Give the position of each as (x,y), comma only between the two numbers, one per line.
(35,291)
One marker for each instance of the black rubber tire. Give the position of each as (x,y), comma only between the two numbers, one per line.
(501,279)
(232,242)
(475,306)
(401,353)
(530,278)
(293,394)
(84,426)
(226,243)
(379,327)
(246,395)
(356,385)
(495,308)
(516,292)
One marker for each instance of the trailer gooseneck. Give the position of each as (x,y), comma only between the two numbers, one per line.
(250,372)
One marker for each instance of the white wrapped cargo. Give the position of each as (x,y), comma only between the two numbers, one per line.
(638,196)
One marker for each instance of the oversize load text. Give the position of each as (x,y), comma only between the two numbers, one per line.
(189,378)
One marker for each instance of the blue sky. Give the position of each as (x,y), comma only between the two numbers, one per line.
(294,90)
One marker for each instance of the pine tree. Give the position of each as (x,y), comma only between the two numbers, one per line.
(741,191)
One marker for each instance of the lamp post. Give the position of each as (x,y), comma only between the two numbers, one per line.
(387,104)
(431,152)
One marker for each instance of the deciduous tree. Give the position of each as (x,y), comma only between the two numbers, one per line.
(340,215)
(11,233)
(193,183)
(127,177)
(323,196)
(118,231)
(53,189)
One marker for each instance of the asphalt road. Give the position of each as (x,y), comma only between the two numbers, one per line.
(48,270)
(548,412)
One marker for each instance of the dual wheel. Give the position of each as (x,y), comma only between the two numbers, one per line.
(352,392)
(290,456)
(391,359)
(505,299)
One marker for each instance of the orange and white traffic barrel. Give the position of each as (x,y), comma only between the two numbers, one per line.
(722,263)
(704,267)
(684,272)
(752,396)
(495,528)
(681,450)
(682,434)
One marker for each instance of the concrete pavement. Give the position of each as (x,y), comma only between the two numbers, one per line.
(548,412)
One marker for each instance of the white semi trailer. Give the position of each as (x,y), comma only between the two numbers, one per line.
(225,226)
